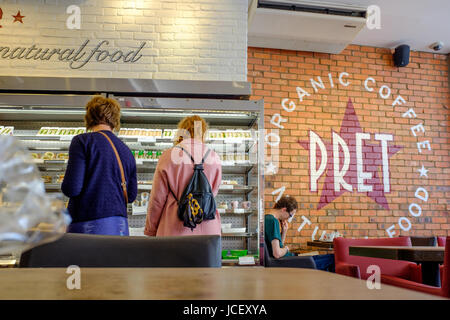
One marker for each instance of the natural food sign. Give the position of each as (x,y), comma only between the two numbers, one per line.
(353,160)
(77,58)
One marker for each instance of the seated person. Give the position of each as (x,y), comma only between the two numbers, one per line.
(284,209)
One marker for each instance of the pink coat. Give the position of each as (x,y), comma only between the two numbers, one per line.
(175,169)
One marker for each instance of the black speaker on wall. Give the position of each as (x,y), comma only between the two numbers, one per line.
(401,56)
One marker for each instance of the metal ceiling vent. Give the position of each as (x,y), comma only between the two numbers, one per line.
(304,25)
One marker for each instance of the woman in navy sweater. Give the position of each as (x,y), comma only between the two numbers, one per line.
(93,178)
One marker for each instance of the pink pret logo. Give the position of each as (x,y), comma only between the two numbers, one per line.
(351,162)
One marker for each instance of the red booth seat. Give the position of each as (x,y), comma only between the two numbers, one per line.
(356,266)
(444,290)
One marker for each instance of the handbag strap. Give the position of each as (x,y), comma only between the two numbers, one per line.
(124,183)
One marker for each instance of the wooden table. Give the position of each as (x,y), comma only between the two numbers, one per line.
(326,245)
(297,250)
(428,257)
(320,244)
(226,283)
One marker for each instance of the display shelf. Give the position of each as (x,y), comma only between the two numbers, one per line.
(52,162)
(41,163)
(236,189)
(230,262)
(144,187)
(243,168)
(222,212)
(241,234)
(228,167)
(224,189)
(137,211)
(147,140)
(239,168)
(52,186)
(146,163)
(150,166)
(225,212)
(37,148)
(235,262)
(46,108)
(44,163)
(222,146)
(140,164)
(43,138)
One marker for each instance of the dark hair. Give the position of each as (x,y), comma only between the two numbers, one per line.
(286,202)
(101,110)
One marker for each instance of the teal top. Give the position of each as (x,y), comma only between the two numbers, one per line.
(272,232)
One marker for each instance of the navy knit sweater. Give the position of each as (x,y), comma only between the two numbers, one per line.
(93,181)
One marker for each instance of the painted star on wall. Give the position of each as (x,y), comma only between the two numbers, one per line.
(423,171)
(371,158)
(270,168)
(18,17)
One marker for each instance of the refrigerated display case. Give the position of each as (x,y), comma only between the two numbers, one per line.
(46,113)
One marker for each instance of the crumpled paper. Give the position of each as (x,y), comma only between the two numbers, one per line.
(28,216)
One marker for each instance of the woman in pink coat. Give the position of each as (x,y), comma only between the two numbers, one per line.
(174,170)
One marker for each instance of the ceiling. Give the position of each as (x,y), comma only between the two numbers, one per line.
(418,23)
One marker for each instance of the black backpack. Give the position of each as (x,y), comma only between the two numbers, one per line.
(197,201)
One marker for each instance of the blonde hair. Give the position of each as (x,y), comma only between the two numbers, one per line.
(186,127)
(101,110)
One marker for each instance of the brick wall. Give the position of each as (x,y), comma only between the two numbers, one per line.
(184,40)
(402,200)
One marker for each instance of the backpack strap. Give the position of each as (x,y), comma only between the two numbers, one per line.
(173,194)
(204,158)
(206,155)
(186,153)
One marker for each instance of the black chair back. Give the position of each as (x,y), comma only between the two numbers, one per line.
(267,257)
(86,250)
(288,262)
